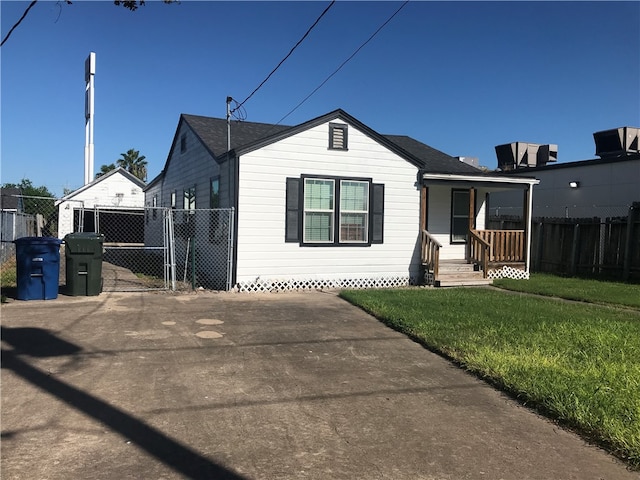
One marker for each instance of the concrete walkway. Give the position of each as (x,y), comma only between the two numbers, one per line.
(239,386)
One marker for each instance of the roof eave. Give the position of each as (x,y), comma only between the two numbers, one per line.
(481,178)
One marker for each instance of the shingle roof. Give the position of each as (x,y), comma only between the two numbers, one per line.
(432,160)
(213,133)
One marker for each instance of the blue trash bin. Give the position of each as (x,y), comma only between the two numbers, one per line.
(37,267)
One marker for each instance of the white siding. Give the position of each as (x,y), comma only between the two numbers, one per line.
(153,227)
(103,194)
(195,166)
(481,208)
(439,222)
(262,251)
(439,219)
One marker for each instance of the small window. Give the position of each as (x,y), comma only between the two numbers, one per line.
(337,136)
(173,199)
(459,216)
(155,206)
(218,219)
(183,143)
(214,196)
(190,198)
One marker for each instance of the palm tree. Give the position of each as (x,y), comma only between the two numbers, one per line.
(105,169)
(134,163)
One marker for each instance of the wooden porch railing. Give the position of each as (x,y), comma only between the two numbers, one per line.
(430,252)
(496,246)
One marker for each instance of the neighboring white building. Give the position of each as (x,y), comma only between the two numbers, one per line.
(115,191)
(602,187)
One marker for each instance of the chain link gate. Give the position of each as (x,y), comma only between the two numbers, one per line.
(131,261)
(202,248)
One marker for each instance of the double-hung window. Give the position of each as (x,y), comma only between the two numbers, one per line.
(354,211)
(334,211)
(319,210)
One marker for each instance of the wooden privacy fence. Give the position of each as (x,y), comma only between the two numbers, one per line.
(583,246)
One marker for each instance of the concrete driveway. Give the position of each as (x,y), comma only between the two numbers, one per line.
(280,386)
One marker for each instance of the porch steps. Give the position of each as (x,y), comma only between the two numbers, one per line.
(459,273)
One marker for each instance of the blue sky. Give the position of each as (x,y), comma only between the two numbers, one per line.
(462,77)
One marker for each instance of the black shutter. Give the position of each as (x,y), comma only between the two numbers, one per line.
(292,221)
(377,213)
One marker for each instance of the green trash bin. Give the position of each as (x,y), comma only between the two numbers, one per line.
(83,257)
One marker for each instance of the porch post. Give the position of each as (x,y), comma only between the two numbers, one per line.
(472,220)
(528,208)
(424,190)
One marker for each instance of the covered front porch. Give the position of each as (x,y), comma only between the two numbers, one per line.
(456,246)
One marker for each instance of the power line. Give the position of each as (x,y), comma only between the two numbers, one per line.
(18,22)
(288,55)
(343,63)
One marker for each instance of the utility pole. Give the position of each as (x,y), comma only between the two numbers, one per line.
(89,74)
(229,99)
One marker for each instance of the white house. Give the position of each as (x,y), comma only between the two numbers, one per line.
(332,203)
(116,194)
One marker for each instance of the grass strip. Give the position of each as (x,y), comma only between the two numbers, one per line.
(577,363)
(584,290)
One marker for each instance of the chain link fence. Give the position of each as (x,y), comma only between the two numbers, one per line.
(14,225)
(27,217)
(144,248)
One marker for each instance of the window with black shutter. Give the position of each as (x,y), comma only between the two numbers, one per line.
(334,211)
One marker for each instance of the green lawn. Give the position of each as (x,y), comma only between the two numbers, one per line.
(578,363)
(593,291)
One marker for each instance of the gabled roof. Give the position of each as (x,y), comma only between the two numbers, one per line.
(102,178)
(248,136)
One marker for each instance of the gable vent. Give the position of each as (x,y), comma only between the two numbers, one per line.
(337,136)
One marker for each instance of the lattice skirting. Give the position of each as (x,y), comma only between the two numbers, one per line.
(285,285)
(508,272)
